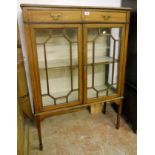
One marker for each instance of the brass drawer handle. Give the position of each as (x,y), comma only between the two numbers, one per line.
(56,16)
(106,17)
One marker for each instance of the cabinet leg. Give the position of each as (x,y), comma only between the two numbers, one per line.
(119,114)
(104,107)
(39,134)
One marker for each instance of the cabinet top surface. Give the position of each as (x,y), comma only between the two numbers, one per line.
(73,7)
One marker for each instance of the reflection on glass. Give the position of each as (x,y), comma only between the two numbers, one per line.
(103,61)
(57,51)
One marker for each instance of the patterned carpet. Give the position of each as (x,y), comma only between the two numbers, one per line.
(81,133)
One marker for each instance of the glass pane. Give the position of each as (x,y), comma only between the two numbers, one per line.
(103,61)
(57,51)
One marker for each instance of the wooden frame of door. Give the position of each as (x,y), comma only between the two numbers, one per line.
(34,69)
(121,63)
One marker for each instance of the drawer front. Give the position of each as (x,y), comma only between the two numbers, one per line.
(106,16)
(54,16)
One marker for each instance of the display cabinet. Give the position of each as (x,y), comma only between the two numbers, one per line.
(76,56)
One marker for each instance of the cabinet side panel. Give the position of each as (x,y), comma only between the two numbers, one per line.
(31,66)
(125,54)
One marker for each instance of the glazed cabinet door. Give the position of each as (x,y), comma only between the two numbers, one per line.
(103,61)
(58,64)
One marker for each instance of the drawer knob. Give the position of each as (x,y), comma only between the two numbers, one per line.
(56,16)
(106,17)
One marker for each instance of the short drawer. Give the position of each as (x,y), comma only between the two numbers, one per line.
(54,16)
(103,16)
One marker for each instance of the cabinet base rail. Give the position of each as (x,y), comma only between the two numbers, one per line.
(76,107)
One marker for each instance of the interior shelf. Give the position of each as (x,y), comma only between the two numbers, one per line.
(101,59)
(61,63)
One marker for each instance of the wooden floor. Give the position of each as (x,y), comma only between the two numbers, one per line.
(81,133)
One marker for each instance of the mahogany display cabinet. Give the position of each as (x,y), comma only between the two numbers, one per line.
(77,57)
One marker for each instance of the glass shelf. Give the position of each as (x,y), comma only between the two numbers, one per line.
(61,63)
(101,60)
(57,63)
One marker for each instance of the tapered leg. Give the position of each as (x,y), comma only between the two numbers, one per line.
(118,115)
(104,107)
(39,134)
